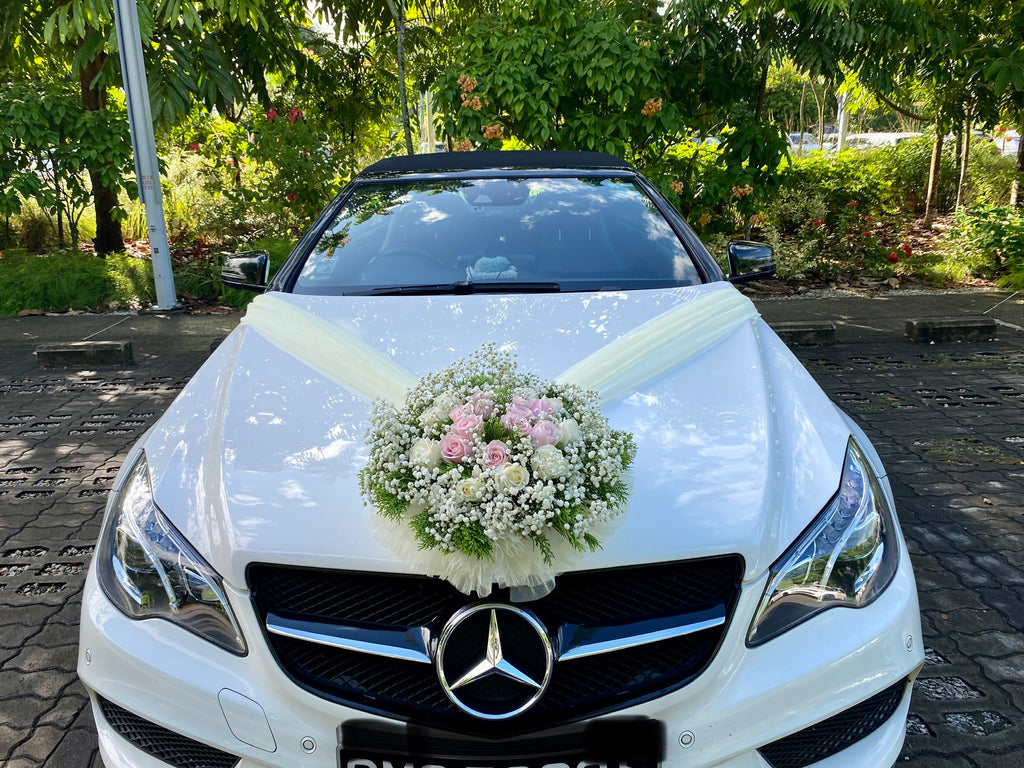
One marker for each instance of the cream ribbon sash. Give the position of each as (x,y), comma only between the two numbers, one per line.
(337,354)
(620,367)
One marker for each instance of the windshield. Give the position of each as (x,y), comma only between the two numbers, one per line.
(570,234)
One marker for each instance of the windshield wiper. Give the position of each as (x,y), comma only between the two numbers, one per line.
(460,288)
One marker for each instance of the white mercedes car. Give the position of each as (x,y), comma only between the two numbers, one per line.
(750,603)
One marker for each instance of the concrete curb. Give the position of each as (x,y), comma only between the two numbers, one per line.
(806,334)
(946,329)
(68,354)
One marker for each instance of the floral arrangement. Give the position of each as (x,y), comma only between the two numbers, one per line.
(481,459)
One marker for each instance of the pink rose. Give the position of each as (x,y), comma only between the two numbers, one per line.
(454,449)
(517,417)
(541,406)
(467,426)
(495,454)
(483,403)
(544,433)
(462,410)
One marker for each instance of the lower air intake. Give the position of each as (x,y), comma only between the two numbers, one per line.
(832,736)
(173,748)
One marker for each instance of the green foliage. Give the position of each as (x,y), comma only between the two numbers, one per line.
(50,144)
(70,280)
(562,75)
(988,241)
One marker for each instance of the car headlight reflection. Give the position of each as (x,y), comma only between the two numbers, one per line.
(846,558)
(148,569)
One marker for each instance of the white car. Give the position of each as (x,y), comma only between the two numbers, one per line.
(751,602)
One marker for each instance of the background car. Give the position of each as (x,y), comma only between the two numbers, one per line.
(753,605)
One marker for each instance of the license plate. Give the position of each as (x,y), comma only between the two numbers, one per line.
(608,743)
(355,760)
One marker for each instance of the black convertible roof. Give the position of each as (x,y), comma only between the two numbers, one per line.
(485,160)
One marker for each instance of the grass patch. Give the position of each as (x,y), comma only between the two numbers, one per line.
(61,281)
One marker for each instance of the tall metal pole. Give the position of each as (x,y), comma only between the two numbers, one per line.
(140,121)
(844,123)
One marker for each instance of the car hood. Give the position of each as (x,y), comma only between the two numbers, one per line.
(258,459)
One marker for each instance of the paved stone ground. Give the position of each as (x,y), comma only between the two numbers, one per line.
(947,419)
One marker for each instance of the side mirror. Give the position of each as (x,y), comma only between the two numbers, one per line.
(750,261)
(248,271)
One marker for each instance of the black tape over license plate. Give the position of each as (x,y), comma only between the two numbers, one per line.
(609,743)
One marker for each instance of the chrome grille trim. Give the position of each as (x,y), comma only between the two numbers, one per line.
(409,645)
(577,642)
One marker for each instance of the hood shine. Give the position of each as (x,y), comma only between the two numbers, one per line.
(259,457)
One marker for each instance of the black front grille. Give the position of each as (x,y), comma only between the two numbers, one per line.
(173,748)
(832,736)
(579,688)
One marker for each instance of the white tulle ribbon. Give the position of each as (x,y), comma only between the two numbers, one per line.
(619,368)
(332,351)
(515,561)
(661,344)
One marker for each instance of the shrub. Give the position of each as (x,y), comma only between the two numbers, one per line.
(989,176)
(908,166)
(987,241)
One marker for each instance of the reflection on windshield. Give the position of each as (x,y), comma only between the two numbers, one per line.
(578,233)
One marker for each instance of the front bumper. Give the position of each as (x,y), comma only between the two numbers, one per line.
(747,698)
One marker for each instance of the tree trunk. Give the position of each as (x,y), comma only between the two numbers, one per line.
(965,155)
(1016,198)
(108,231)
(933,179)
(761,92)
(398,14)
(803,100)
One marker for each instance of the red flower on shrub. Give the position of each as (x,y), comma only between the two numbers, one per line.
(893,258)
(271,113)
(194,145)
(852,204)
(868,219)
(906,250)
(292,197)
(867,234)
(817,222)
(294,114)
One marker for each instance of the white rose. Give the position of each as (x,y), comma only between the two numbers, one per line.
(470,489)
(568,432)
(549,463)
(512,478)
(445,401)
(433,415)
(425,453)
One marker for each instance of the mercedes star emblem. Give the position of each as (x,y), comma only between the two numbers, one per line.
(494,661)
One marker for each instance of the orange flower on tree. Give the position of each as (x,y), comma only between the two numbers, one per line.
(651,108)
(677,187)
(743,191)
(496,131)
(705,219)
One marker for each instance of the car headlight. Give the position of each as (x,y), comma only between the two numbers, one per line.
(847,557)
(149,570)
